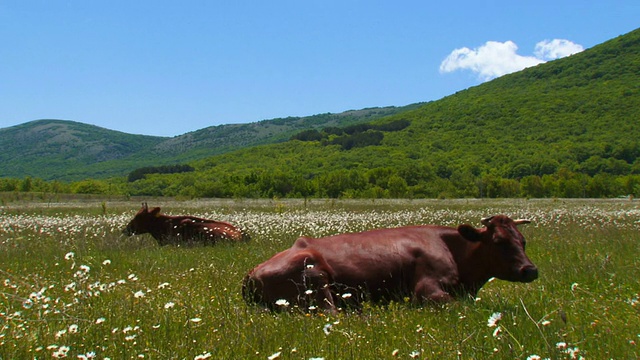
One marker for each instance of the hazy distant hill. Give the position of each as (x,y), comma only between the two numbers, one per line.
(224,138)
(51,149)
(68,150)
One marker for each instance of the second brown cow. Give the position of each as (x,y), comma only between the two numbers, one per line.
(181,229)
(424,263)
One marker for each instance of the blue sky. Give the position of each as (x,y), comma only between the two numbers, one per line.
(170,67)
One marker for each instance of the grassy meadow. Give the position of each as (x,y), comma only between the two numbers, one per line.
(71,286)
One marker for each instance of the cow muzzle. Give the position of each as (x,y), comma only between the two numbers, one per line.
(128,231)
(528,273)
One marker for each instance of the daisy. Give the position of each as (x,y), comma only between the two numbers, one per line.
(493,319)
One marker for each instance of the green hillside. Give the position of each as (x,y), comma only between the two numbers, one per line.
(564,128)
(51,149)
(68,150)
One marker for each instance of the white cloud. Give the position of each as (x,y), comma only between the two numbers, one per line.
(556,48)
(494,59)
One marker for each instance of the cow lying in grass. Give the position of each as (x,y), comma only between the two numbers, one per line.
(185,229)
(424,263)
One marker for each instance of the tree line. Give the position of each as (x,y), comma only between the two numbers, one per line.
(347,183)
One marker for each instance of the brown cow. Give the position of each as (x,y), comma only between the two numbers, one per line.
(182,229)
(424,263)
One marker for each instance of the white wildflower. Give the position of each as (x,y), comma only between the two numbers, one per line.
(27,304)
(573,352)
(497,331)
(70,287)
(493,319)
(574,286)
(61,352)
(282,302)
(203,356)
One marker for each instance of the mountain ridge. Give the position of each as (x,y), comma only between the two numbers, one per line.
(68,150)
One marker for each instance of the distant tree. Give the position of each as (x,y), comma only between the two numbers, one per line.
(89,187)
(395,125)
(357,128)
(531,186)
(164,169)
(333,130)
(397,187)
(308,135)
(7,184)
(27,184)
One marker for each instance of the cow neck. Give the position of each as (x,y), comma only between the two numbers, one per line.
(470,258)
(158,226)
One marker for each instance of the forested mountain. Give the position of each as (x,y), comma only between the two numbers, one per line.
(51,149)
(68,150)
(564,128)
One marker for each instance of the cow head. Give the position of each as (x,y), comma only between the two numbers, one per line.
(141,221)
(502,248)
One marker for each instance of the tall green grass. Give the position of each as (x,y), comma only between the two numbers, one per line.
(71,285)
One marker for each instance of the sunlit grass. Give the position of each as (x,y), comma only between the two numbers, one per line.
(72,286)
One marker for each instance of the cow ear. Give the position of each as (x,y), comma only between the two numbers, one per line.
(470,233)
(155,211)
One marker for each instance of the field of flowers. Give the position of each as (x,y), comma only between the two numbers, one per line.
(72,286)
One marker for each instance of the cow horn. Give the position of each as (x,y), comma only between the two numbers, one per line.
(485,221)
(521,221)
